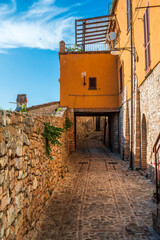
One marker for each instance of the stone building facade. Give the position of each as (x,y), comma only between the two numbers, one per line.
(146,122)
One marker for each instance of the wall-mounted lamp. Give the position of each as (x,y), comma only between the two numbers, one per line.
(84,76)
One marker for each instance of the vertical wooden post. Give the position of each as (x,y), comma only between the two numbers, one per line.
(84,30)
(76,32)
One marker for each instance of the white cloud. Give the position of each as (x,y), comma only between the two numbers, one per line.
(39,27)
(6,9)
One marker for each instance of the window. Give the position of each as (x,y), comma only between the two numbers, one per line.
(146,40)
(120,77)
(128,15)
(92,83)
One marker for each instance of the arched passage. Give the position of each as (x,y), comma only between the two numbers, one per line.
(144,144)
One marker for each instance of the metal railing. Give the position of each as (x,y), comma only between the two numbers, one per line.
(156,150)
(88,48)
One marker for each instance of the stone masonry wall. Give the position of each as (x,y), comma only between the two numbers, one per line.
(85,126)
(44,109)
(146,122)
(150,110)
(27,175)
(114,135)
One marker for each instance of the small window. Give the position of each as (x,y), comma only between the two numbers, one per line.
(120,77)
(92,83)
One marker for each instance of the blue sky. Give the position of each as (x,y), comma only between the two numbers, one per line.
(30,32)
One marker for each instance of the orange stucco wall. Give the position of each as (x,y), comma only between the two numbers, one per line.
(138,39)
(74,94)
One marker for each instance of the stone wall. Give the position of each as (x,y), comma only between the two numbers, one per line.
(114,132)
(27,175)
(146,122)
(85,126)
(150,115)
(48,108)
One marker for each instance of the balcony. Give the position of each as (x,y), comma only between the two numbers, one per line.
(90,34)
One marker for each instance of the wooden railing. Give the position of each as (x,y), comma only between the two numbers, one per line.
(156,150)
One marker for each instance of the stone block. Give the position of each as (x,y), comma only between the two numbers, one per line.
(18,222)
(19,202)
(3,148)
(3,162)
(19,163)
(25,139)
(2,177)
(1,137)
(19,149)
(35,183)
(12,233)
(25,174)
(10,215)
(1,232)
(7,232)
(18,187)
(11,174)
(20,175)
(5,201)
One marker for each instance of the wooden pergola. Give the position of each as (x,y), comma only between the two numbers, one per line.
(93,30)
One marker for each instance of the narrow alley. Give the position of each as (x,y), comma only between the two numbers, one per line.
(99,198)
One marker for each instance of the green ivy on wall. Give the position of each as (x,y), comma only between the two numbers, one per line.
(51,134)
(68,124)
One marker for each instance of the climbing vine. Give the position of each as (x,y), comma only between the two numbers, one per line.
(52,135)
(68,124)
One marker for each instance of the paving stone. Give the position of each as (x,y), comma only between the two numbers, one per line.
(98,200)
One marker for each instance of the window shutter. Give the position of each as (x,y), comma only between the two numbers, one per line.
(146,39)
(121,79)
(128,15)
(147,22)
(144,24)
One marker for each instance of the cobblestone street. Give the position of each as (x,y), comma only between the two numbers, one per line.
(99,198)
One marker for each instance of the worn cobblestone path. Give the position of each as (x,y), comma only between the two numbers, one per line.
(99,199)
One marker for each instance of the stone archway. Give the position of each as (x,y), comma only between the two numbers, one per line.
(144,144)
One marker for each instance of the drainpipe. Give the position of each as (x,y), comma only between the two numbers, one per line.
(131,43)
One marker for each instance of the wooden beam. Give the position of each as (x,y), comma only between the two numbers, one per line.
(94,35)
(106,16)
(106,21)
(93,27)
(92,39)
(99,31)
